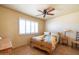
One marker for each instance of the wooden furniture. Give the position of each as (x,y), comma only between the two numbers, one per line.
(42,45)
(64,39)
(5,46)
(45,46)
(7,51)
(76,42)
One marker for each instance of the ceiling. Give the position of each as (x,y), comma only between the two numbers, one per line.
(31,9)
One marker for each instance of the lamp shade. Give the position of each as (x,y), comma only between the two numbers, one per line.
(67,30)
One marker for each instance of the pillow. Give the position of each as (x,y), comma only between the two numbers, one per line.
(47,38)
(46,33)
(57,36)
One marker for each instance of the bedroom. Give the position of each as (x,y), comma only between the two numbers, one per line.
(17,33)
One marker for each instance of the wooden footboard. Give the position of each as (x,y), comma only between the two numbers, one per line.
(42,45)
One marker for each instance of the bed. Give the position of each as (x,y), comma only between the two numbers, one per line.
(44,44)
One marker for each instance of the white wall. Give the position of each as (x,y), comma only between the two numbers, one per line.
(66,22)
(70,21)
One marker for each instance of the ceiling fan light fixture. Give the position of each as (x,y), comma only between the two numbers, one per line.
(46,12)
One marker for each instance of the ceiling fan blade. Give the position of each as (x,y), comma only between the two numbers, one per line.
(51,9)
(50,14)
(40,11)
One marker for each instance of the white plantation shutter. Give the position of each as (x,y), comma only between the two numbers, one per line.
(22,26)
(27,26)
(32,27)
(36,27)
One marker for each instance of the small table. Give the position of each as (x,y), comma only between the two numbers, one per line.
(75,42)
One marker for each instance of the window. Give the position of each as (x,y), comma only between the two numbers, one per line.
(32,27)
(22,26)
(27,27)
(36,27)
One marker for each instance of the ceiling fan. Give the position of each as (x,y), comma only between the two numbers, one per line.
(46,12)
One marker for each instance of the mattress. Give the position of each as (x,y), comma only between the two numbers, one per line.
(38,38)
(52,39)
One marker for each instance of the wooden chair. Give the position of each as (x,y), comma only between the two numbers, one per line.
(63,38)
(76,42)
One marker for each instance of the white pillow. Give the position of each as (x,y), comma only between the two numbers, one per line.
(46,33)
(55,34)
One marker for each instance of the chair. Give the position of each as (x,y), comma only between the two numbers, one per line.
(64,39)
(76,42)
